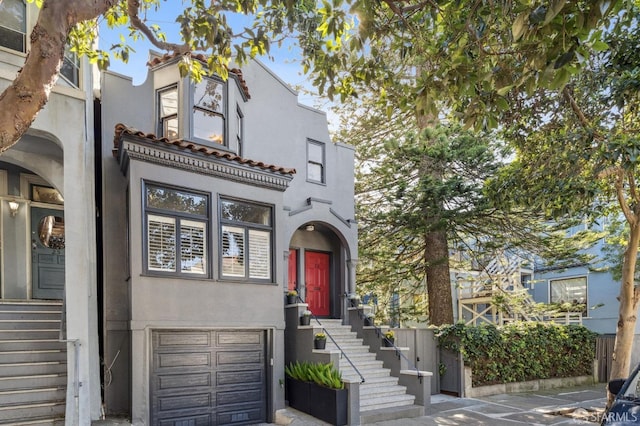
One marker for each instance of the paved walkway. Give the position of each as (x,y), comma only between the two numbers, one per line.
(581,405)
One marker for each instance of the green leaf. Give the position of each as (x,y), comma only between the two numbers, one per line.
(519,26)
(556,7)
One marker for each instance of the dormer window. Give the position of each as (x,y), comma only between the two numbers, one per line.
(209,111)
(13,25)
(168,112)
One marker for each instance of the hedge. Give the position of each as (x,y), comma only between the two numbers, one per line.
(521,351)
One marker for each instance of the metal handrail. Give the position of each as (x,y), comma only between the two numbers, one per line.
(397,350)
(342,353)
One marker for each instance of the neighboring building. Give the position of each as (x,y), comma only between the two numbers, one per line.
(48,234)
(171,218)
(218,197)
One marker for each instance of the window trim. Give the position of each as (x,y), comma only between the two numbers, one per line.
(323,178)
(76,66)
(160,119)
(224,114)
(25,39)
(247,226)
(179,217)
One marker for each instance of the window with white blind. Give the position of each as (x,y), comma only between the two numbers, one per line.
(176,231)
(246,243)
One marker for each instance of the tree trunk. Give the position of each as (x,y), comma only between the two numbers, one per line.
(436,254)
(30,90)
(629,297)
(438,279)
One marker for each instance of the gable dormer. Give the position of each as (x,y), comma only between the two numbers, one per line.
(208,112)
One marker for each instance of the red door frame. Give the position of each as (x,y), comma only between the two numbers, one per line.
(293,269)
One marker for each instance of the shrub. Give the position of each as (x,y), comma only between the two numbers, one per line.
(321,374)
(521,351)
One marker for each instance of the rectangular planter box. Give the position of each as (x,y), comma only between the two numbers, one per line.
(329,405)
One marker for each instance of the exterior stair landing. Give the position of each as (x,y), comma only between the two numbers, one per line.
(33,363)
(381,397)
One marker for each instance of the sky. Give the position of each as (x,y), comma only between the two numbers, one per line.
(285,64)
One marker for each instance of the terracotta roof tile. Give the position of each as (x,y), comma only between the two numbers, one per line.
(202,58)
(122,130)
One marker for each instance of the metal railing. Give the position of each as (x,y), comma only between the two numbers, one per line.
(398,352)
(342,353)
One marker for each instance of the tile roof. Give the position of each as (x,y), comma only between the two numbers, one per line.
(202,58)
(195,148)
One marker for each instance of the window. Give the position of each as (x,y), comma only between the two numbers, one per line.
(569,290)
(315,161)
(239,129)
(209,111)
(70,69)
(13,24)
(168,112)
(176,231)
(245,246)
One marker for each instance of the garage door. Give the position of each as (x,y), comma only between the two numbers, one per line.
(208,377)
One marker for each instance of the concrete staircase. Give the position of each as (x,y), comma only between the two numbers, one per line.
(381,398)
(33,363)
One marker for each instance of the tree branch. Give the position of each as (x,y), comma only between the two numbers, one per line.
(30,90)
(133,6)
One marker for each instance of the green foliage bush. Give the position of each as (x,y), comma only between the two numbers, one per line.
(521,351)
(321,374)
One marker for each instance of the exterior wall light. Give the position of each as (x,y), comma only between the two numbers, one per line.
(13,208)
(310,228)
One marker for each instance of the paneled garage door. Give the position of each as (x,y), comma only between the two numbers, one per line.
(208,377)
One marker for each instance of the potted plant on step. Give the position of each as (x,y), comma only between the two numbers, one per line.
(319,341)
(388,339)
(305,318)
(292,297)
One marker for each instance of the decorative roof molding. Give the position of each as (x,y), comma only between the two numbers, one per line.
(341,219)
(198,159)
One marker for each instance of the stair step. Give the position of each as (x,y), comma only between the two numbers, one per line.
(33,344)
(22,305)
(23,412)
(31,396)
(31,324)
(367,404)
(32,381)
(40,421)
(373,391)
(30,315)
(51,333)
(41,355)
(32,368)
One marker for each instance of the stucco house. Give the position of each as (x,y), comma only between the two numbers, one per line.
(234,192)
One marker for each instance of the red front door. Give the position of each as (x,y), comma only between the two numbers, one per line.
(317,282)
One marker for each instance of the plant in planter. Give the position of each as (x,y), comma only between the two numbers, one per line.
(292,297)
(319,341)
(317,389)
(388,339)
(305,318)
